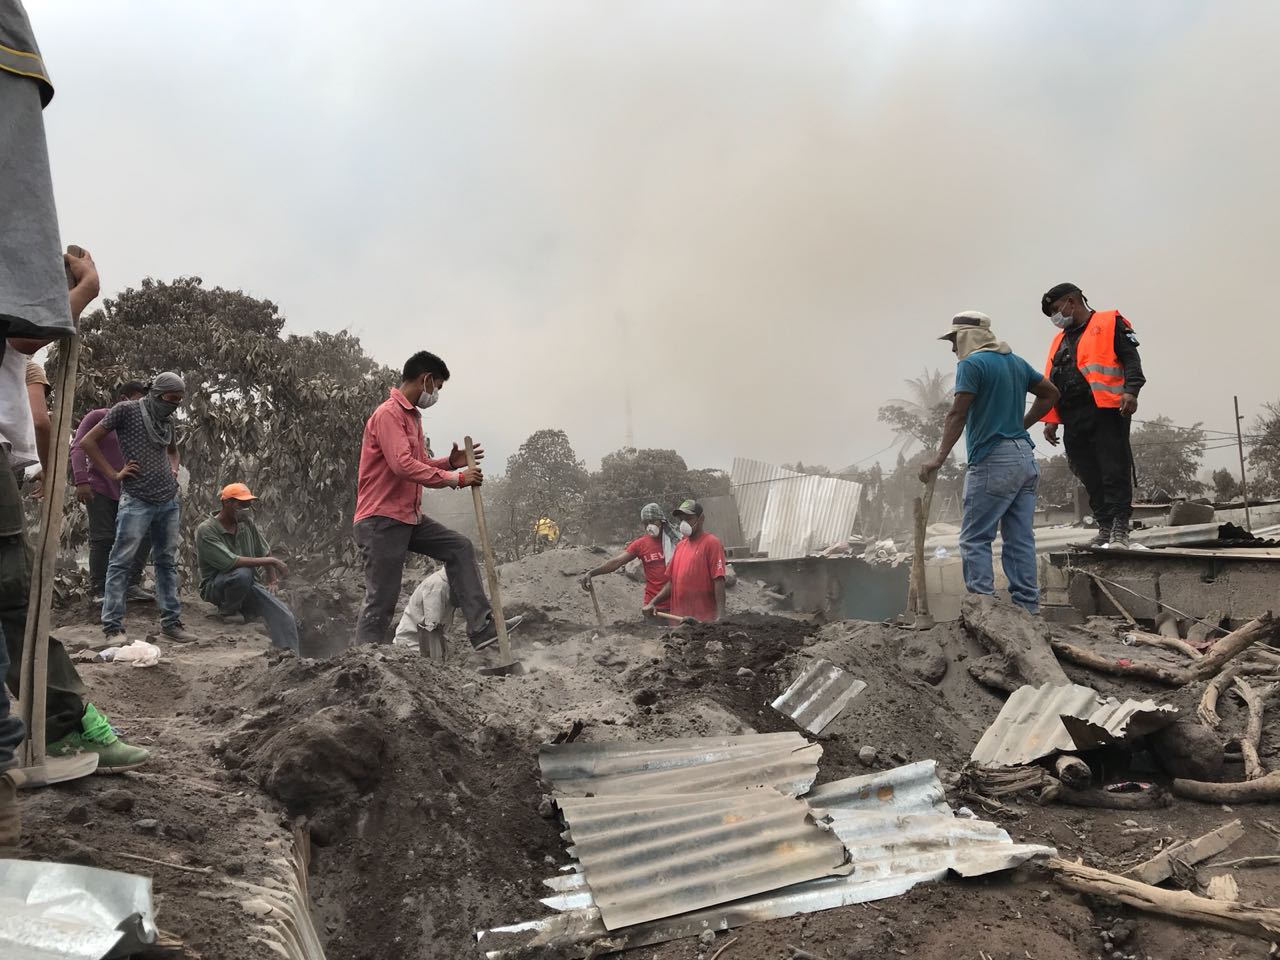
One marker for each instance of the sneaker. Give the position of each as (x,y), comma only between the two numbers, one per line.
(10,822)
(1120,535)
(96,736)
(489,635)
(139,594)
(176,631)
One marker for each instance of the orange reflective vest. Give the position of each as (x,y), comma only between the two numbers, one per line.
(1097,360)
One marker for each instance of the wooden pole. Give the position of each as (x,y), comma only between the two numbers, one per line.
(591,587)
(1244,479)
(490,565)
(35,641)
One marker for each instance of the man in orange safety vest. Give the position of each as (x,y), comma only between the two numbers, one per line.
(1094,363)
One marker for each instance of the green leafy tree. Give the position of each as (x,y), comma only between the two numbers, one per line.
(1226,486)
(282,414)
(707,482)
(1167,458)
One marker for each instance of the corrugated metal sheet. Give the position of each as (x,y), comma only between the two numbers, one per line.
(818,695)
(785,761)
(806,515)
(1031,725)
(752,480)
(913,788)
(899,837)
(721,518)
(659,856)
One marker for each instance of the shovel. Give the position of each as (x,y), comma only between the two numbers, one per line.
(919,591)
(591,587)
(508,664)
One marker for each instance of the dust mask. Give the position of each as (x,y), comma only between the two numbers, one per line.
(652,530)
(426,400)
(1059,321)
(686,529)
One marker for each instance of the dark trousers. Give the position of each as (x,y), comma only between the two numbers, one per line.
(384,543)
(63,704)
(238,591)
(102,512)
(1097,445)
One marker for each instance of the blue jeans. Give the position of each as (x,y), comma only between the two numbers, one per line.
(134,521)
(238,591)
(1000,492)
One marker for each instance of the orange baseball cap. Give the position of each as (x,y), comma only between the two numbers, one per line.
(236,491)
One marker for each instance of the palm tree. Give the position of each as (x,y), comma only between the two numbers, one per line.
(927,393)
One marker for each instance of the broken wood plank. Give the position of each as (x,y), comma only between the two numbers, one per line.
(1262,790)
(1263,629)
(1252,739)
(1020,637)
(1208,709)
(1250,921)
(1161,867)
(1111,597)
(1223,887)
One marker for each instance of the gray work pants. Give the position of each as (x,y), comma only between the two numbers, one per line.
(238,591)
(384,543)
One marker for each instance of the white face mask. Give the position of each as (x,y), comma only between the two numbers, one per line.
(686,529)
(652,530)
(1059,321)
(426,400)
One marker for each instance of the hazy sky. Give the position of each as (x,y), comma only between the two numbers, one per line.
(755,217)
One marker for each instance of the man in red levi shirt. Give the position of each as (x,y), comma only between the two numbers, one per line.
(650,550)
(394,467)
(695,575)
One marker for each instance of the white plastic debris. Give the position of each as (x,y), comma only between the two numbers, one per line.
(139,653)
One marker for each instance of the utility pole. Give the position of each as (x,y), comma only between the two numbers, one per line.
(1244,480)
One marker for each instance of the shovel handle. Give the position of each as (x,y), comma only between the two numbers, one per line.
(591,587)
(490,565)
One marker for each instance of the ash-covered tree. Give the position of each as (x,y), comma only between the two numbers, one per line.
(1057,483)
(1226,486)
(1167,458)
(544,480)
(283,414)
(630,478)
(917,419)
(1264,455)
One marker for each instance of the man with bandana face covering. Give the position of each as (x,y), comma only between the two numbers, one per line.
(1094,363)
(148,502)
(992,384)
(654,550)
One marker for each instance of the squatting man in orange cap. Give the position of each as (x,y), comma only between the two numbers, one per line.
(238,573)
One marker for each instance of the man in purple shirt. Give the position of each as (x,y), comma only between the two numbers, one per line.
(100,494)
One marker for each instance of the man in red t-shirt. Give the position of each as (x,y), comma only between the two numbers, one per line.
(649,549)
(695,575)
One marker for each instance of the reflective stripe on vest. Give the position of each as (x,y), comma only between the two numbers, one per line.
(1096,359)
(23,63)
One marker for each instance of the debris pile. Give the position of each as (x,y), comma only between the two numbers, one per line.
(679,838)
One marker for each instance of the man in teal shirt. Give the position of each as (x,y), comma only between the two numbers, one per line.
(1000,483)
(237,572)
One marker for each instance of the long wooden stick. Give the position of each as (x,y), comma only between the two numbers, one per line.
(1106,592)
(1261,922)
(1263,790)
(35,640)
(591,587)
(491,566)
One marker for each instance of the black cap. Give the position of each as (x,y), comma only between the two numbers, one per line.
(690,508)
(1055,294)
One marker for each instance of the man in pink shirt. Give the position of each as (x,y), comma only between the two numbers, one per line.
(100,494)
(394,467)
